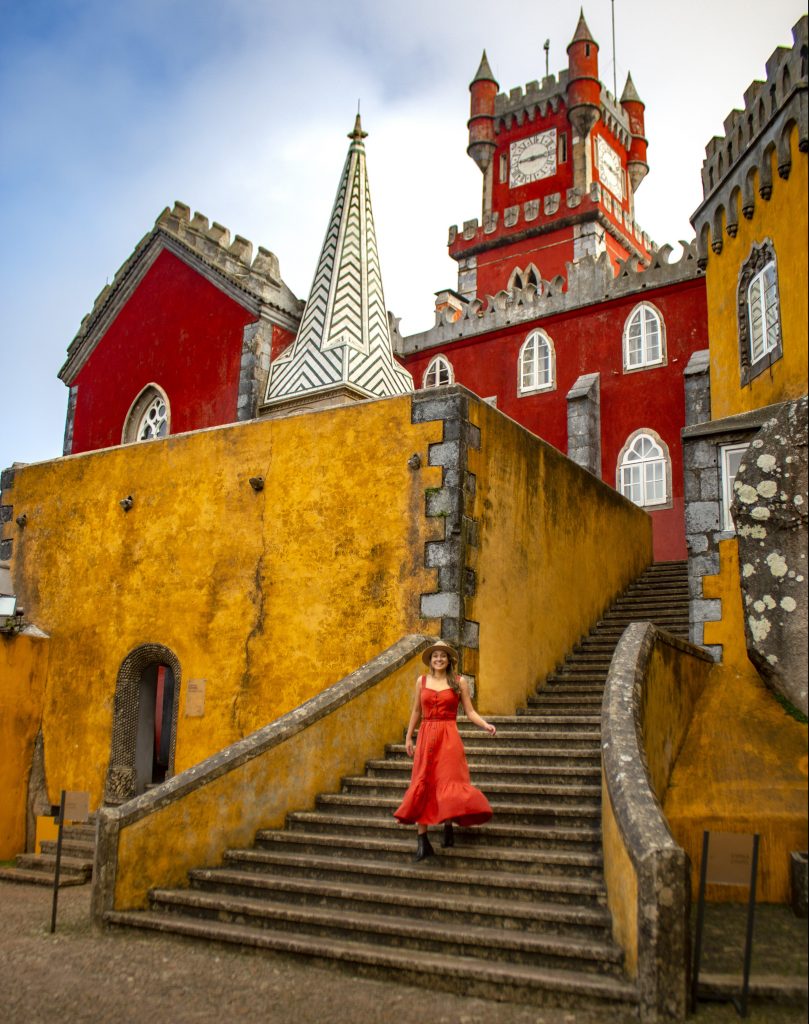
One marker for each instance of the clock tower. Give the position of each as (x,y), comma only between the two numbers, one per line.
(561,161)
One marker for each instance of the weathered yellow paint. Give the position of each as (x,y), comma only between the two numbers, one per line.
(196,830)
(47,831)
(555,548)
(23,669)
(783,220)
(622,885)
(269,597)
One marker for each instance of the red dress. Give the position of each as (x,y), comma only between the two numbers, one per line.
(440,789)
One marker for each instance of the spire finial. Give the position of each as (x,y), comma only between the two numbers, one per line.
(358,134)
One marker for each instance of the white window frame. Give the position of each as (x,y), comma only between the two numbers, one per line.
(438,366)
(133,422)
(530,378)
(726,453)
(661,461)
(644,312)
(763,295)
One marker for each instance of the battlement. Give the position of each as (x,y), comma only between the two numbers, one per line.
(520,103)
(735,161)
(256,279)
(590,280)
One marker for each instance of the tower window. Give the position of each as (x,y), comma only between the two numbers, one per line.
(536,366)
(503,167)
(759,313)
(438,373)
(644,470)
(644,338)
(148,417)
(563,148)
(731,456)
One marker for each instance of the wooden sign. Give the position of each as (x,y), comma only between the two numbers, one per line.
(730,858)
(77,806)
(195,698)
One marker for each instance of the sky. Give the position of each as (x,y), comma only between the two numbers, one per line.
(112,109)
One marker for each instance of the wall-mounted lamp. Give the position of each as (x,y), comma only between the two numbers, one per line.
(127,502)
(21,520)
(257,483)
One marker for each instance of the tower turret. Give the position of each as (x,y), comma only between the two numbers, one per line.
(636,165)
(584,87)
(483,89)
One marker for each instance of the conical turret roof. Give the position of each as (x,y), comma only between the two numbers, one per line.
(582,33)
(343,343)
(484,72)
(630,93)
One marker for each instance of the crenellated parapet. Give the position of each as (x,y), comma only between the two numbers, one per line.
(737,170)
(255,281)
(589,281)
(519,105)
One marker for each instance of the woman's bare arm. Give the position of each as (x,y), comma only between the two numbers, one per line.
(471,714)
(415,718)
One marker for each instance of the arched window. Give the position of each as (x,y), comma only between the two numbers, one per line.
(536,366)
(148,417)
(644,338)
(759,313)
(439,372)
(644,469)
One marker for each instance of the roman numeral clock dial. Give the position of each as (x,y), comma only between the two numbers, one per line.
(532,158)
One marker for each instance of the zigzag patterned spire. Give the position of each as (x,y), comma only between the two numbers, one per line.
(344,338)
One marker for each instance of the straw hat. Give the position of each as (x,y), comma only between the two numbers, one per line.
(440,645)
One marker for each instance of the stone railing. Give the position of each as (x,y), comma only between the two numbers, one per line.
(190,820)
(652,687)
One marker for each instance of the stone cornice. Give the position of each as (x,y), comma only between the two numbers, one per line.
(589,281)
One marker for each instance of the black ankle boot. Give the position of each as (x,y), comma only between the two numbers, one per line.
(424,848)
(449,835)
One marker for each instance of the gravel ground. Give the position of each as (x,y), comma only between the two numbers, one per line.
(80,975)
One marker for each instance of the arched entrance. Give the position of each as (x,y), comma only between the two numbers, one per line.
(144,723)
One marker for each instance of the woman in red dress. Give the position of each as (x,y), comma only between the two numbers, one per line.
(440,790)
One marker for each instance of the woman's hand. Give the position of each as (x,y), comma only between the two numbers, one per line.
(490,729)
(410,746)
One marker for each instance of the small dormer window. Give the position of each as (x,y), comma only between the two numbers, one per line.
(148,417)
(438,373)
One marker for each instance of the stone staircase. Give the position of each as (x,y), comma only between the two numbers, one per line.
(76,867)
(515,911)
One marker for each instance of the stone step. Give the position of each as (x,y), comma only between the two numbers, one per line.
(589,919)
(514,725)
(481,774)
(563,677)
(553,705)
(472,975)
(34,876)
(46,863)
(70,848)
(564,745)
(495,834)
(459,857)
(536,727)
(490,944)
(518,792)
(432,875)
(588,756)
(585,814)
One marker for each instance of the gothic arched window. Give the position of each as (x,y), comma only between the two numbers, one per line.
(148,417)
(644,469)
(759,313)
(644,338)
(439,372)
(536,366)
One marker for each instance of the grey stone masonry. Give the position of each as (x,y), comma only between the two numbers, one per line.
(6,511)
(584,423)
(254,368)
(452,503)
(697,380)
(67,446)
(702,478)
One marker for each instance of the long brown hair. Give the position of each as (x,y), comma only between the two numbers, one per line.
(452,677)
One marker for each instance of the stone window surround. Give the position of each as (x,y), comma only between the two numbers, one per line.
(658,505)
(646,364)
(726,490)
(550,385)
(436,365)
(761,254)
(138,408)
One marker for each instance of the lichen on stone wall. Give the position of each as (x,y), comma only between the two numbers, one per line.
(770,512)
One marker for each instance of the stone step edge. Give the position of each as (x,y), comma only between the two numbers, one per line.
(24,876)
(410,927)
(527,832)
(493,786)
(414,962)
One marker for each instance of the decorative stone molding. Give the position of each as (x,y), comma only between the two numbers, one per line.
(584,423)
(452,502)
(733,163)
(697,382)
(589,281)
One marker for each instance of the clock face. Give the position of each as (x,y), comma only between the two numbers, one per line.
(533,158)
(609,168)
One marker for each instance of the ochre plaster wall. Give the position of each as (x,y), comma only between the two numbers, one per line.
(196,830)
(23,669)
(268,597)
(622,884)
(743,766)
(555,546)
(782,219)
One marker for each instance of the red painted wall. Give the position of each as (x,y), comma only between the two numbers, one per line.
(176,330)
(588,341)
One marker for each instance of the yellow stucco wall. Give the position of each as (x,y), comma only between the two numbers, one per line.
(743,766)
(622,884)
(555,547)
(23,669)
(782,219)
(196,830)
(268,597)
